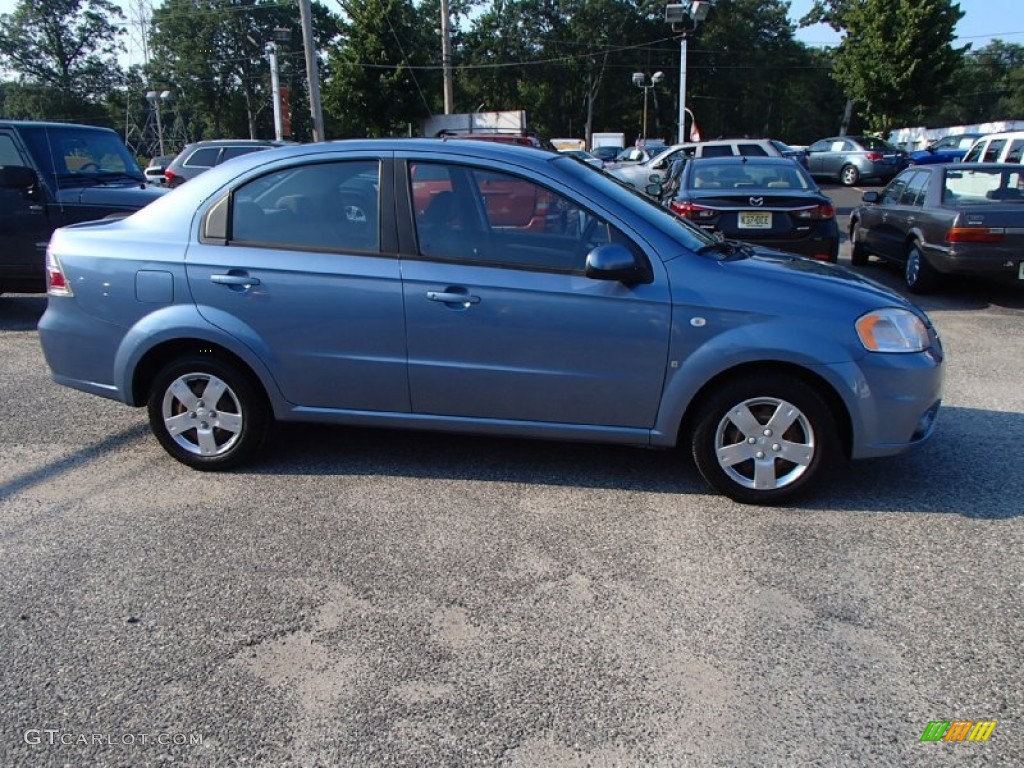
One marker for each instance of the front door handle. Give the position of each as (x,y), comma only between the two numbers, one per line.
(241,280)
(451,297)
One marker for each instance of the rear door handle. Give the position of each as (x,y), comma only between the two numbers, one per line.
(241,280)
(446,297)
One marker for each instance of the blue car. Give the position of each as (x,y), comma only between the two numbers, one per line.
(950,149)
(483,288)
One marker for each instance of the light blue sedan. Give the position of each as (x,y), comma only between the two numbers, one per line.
(483,288)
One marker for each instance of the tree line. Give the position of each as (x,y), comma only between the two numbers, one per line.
(567,63)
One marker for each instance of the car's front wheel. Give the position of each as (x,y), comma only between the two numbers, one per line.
(207,413)
(764,440)
(918,274)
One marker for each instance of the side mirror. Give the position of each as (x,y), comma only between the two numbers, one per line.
(654,190)
(870,197)
(615,262)
(654,178)
(16,177)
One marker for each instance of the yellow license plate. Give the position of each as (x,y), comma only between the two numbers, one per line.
(755,220)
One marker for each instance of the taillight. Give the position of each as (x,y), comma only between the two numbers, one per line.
(975,235)
(56,281)
(874,157)
(172,178)
(689,210)
(817,213)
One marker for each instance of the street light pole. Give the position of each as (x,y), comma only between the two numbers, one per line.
(640,81)
(682,89)
(683,17)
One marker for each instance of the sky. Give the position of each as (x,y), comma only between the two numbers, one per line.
(983,21)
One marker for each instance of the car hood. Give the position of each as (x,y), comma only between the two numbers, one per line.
(122,194)
(781,283)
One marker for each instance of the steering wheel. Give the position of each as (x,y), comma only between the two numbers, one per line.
(88,165)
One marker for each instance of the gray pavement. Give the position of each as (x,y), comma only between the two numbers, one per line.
(373,598)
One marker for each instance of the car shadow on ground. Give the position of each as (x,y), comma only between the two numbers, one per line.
(21,312)
(956,472)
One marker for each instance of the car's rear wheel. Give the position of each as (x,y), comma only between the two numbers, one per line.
(764,439)
(919,275)
(207,413)
(849,175)
(858,254)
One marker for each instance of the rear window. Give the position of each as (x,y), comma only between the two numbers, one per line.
(983,187)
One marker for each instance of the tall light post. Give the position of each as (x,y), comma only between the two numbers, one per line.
(683,17)
(154,98)
(640,81)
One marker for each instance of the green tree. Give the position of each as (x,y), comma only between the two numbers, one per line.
(211,55)
(896,56)
(377,69)
(64,53)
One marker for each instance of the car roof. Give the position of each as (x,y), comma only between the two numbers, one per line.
(977,167)
(53,125)
(535,157)
(744,160)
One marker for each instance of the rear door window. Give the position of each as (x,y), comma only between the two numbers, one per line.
(205,157)
(993,150)
(328,206)
(230,152)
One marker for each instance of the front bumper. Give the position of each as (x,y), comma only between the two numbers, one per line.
(897,399)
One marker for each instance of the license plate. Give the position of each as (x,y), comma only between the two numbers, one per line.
(755,220)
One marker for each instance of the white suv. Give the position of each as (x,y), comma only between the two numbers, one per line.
(642,174)
(1005,147)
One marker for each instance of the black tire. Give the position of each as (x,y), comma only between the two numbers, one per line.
(858,254)
(918,274)
(809,436)
(227,432)
(849,175)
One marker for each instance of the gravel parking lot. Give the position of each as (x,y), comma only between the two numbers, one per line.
(372,598)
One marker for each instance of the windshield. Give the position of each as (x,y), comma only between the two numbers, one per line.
(638,204)
(73,153)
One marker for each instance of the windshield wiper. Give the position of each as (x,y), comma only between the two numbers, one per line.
(728,249)
(80,179)
(118,175)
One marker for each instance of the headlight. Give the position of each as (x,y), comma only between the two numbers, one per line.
(892,330)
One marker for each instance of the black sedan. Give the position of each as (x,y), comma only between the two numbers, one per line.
(769,201)
(962,218)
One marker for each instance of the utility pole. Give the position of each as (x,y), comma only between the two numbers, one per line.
(446,59)
(312,69)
